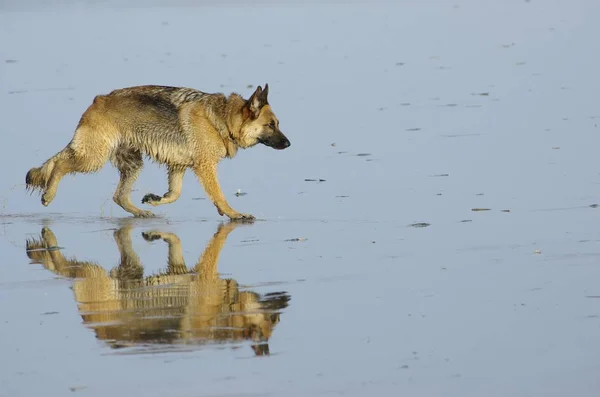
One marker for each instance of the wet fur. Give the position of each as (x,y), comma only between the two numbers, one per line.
(179,127)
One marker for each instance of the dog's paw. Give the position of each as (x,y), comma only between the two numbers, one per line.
(242,218)
(144,214)
(151,236)
(150,198)
(47,199)
(219,210)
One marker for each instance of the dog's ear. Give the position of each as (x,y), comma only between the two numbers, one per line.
(256,102)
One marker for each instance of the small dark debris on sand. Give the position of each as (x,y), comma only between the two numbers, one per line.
(314,180)
(420,224)
(593,205)
(400,63)
(363,154)
(480,209)
(11,61)
(250,241)
(198,198)
(240,193)
(297,239)
(49,313)
(505,210)
(342,196)
(466,221)
(438,175)
(413,129)
(481,93)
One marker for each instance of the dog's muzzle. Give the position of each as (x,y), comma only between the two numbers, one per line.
(276,141)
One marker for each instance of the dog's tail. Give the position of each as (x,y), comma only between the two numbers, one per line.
(37,178)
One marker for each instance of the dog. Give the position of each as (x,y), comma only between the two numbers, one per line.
(178,305)
(176,126)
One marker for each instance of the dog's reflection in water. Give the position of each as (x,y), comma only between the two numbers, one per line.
(177,307)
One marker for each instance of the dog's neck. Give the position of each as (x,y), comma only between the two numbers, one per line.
(233,121)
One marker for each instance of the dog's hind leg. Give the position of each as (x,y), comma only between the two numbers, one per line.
(175,184)
(129,162)
(71,161)
(87,152)
(64,164)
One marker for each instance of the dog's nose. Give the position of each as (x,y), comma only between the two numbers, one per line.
(285,143)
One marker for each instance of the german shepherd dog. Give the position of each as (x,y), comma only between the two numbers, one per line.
(176,126)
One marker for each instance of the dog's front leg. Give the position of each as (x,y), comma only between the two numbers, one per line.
(207,174)
(175,183)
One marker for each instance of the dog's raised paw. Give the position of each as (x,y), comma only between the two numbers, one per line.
(150,197)
(151,236)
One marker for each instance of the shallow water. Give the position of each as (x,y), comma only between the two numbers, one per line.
(432,230)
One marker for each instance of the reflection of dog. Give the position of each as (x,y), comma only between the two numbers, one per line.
(178,306)
(180,127)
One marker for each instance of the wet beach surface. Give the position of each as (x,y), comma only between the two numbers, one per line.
(432,230)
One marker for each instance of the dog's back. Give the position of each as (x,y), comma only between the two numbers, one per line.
(177,96)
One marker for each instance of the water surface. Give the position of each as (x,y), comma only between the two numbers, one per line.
(432,230)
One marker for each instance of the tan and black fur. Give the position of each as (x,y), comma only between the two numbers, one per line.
(179,127)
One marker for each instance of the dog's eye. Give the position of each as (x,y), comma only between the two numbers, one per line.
(272,124)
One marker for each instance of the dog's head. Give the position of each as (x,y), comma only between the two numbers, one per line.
(260,123)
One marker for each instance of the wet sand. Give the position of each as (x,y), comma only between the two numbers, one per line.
(432,230)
